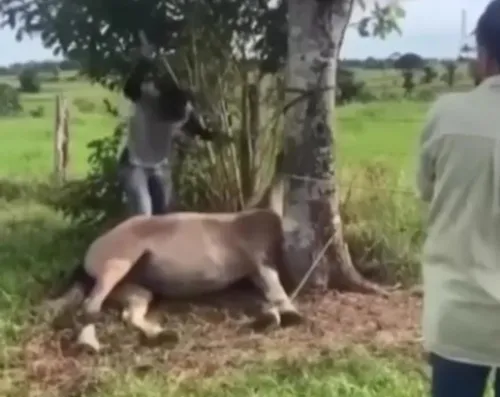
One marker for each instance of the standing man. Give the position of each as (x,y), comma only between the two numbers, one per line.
(162,111)
(459,176)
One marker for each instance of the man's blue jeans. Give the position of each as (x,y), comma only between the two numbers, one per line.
(148,191)
(454,379)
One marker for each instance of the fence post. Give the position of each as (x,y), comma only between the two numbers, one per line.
(61,139)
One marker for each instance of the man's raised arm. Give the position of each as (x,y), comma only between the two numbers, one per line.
(132,87)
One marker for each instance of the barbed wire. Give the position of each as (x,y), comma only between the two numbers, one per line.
(370,154)
(352,185)
(403,191)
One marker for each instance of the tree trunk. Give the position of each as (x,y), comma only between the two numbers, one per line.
(311,203)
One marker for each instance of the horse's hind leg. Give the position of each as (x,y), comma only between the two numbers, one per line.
(282,308)
(136,301)
(110,274)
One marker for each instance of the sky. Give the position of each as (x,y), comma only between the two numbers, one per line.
(431,28)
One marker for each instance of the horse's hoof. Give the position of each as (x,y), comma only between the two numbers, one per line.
(291,318)
(88,338)
(126,315)
(268,319)
(163,337)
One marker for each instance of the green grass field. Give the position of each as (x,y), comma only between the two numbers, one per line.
(379,131)
(36,243)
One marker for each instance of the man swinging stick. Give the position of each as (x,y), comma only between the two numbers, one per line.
(162,111)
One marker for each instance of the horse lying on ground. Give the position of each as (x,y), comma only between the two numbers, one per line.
(180,255)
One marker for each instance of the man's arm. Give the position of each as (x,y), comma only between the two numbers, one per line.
(193,126)
(426,173)
(132,87)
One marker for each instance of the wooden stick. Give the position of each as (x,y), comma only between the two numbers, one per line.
(166,65)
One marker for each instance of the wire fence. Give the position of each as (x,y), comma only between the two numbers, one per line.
(345,186)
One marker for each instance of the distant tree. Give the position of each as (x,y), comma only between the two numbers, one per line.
(449,76)
(29,80)
(10,103)
(430,74)
(348,88)
(473,72)
(408,61)
(372,63)
(408,82)
(467,50)
(56,72)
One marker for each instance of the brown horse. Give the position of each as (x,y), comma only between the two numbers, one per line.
(181,255)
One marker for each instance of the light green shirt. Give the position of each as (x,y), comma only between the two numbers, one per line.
(459,175)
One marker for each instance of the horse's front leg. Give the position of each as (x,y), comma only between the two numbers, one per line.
(282,310)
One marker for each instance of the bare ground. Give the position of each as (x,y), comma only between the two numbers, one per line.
(214,340)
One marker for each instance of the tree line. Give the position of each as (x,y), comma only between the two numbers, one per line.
(370,63)
(48,66)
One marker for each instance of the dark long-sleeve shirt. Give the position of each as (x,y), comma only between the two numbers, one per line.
(150,136)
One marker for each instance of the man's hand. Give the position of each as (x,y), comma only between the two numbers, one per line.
(145,50)
(220,137)
(143,54)
(132,89)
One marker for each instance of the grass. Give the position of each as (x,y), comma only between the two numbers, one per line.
(356,375)
(376,145)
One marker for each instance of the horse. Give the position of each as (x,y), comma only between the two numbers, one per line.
(180,255)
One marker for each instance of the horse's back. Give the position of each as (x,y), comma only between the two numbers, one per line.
(198,252)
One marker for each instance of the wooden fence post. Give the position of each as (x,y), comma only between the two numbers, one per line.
(61,139)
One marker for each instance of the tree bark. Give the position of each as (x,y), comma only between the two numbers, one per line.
(311,202)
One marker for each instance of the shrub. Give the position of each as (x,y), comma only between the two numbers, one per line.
(97,199)
(29,81)
(426,94)
(390,95)
(348,88)
(366,95)
(38,112)
(383,226)
(10,103)
(72,78)
(56,73)
(429,75)
(84,105)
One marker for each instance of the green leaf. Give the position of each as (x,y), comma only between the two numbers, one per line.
(399,11)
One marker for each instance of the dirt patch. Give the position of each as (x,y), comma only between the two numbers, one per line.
(217,339)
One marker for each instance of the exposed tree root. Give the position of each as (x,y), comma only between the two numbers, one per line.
(343,274)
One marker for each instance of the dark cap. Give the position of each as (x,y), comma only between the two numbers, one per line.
(488,29)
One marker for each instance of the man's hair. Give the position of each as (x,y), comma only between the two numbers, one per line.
(488,30)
